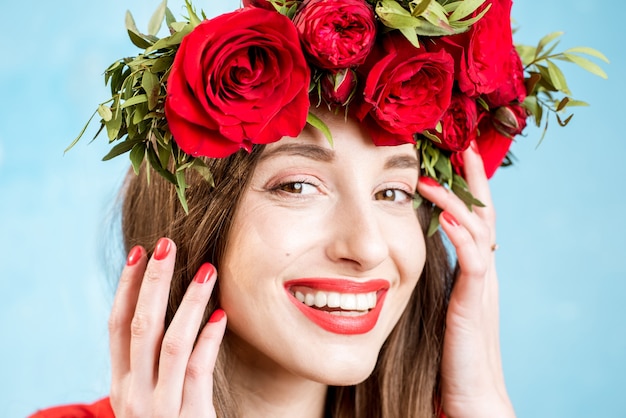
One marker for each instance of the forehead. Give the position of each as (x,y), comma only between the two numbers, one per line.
(349,140)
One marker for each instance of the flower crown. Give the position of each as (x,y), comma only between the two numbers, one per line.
(438,74)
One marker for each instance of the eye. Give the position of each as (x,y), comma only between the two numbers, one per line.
(296,187)
(393,195)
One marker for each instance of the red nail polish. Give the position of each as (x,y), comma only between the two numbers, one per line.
(162,249)
(429,181)
(134,255)
(204,274)
(450,219)
(217,315)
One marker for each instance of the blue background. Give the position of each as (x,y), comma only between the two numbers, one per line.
(561,214)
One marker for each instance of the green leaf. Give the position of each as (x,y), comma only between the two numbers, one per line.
(120,149)
(193,17)
(75,141)
(394,16)
(154,25)
(115,124)
(545,41)
(557,77)
(203,170)
(434,221)
(180,189)
(526,53)
(586,64)
(420,8)
(588,51)
(131,26)
(169,41)
(161,64)
(465,8)
(169,17)
(460,188)
(577,103)
(138,40)
(140,98)
(151,85)
(317,123)
(137,154)
(411,36)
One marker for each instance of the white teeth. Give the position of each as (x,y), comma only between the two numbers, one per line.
(309,299)
(361,302)
(348,302)
(300,296)
(333,300)
(355,302)
(320,299)
(371,299)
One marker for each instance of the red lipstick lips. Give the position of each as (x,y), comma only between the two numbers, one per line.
(344,321)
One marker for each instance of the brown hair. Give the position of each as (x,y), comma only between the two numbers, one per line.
(405,380)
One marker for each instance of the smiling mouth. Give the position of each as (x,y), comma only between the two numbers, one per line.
(336,303)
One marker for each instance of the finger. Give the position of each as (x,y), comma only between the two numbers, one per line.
(148,321)
(123,310)
(181,335)
(478,183)
(470,283)
(198,389)
(451,203)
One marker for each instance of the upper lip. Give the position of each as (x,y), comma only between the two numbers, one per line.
(340,285)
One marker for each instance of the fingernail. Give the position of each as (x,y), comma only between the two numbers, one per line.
(429,181)
(162,249)
(134,255)
(450,219)
(217,315)
(205,272)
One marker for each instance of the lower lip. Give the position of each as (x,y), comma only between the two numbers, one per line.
(346,325)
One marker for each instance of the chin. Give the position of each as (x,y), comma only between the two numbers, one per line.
(343,371)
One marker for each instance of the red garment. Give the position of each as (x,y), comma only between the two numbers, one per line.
(99,409)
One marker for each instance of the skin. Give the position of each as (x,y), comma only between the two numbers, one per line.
(351,231)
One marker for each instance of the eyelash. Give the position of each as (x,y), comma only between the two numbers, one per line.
(408,196)
(289,187)
(281,188)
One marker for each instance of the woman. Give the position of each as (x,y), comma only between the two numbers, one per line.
(306,277)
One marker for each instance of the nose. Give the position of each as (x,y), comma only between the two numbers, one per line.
(357,239)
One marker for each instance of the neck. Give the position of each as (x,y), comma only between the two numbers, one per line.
(263,389)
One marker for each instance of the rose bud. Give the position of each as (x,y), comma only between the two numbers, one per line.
(510,120)
(338,88)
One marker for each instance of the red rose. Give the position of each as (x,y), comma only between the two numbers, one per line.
(496,132)
(407,90)
(238,79)
(513,87)
(481,54)
(459,124)
(339,88)
(336,34)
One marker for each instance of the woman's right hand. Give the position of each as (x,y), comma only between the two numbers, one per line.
(157,372)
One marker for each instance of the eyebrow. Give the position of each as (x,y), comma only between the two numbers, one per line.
(311,151)
(402,161)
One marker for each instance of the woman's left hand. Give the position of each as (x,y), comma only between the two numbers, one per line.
(471,367)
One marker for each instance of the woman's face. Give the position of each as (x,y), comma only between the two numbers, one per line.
(324,253)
